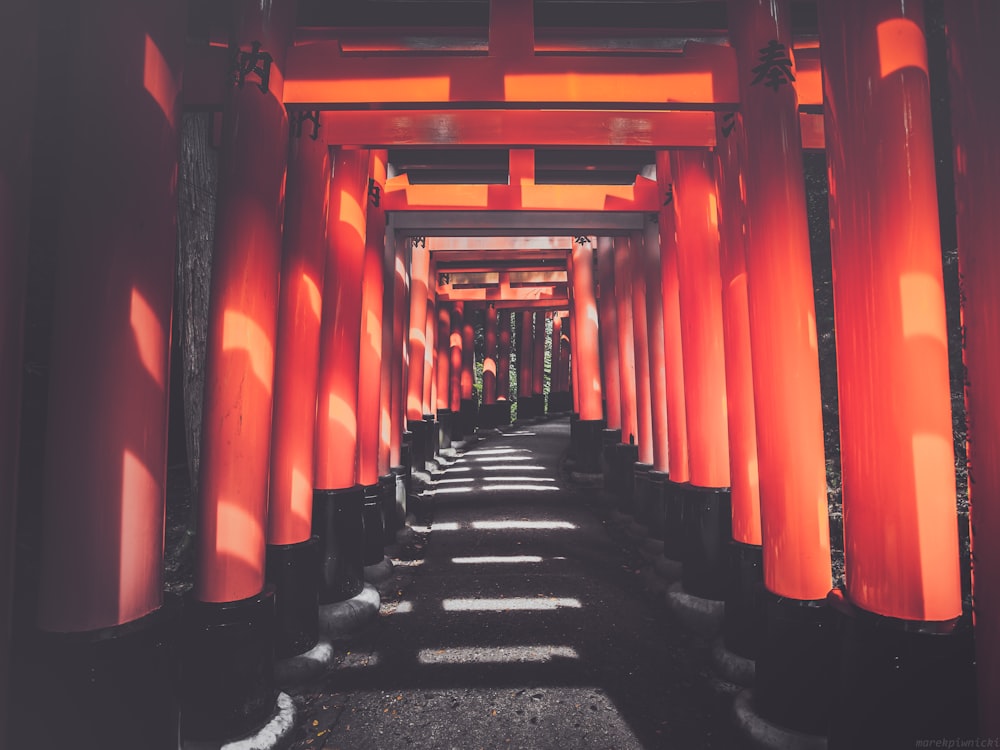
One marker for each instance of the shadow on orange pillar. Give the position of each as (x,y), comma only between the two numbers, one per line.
(611,369)
(640,343)
(650,258)
(897,455)
(399,363)
(795,528)
(573,378)
(390,364)
(430,346)
(973,29)
(369,363)
(626,342)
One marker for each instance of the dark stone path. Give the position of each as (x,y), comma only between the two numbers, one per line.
(520,623)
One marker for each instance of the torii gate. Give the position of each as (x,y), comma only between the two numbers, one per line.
(898,476)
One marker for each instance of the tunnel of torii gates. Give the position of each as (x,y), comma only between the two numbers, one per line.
(685,298)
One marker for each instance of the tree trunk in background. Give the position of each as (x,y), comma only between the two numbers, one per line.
(198,176)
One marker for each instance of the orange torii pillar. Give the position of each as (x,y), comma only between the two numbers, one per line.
(792,673)
(390,367)
(658,475)
(417,343)
(292,550)
(972,33)
(673,356)
(558,395)
(442,371)
(525,369)
(338,500)
(503,368)
(587,359)
(610,369)
(743,615)
(627,451)
(369,364)
(640,488)
(400,441)
(706,504)
(538,365)
(19,22)
(456,362)
(227,684)
(564,361)
(573,378)
(105,639)
(906,653)
(468,405)
(430,365)
(488,410)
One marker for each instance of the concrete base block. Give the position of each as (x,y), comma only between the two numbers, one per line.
(277,733)
(700,616)
(299,669)
(731,667)
(343,618)
(379,572)
(764,735)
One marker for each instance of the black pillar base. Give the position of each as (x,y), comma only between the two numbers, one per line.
(655,519)
(293,570)
(338,522)
(641,491)
(588,458)
(406,460)
(673,519)
(433,439)
(743,626)
(609,439)
(387,501)
(419,444)
(574,436)
(626,455)
(489,416)
(374,525)
(107,686)
(796,665)
(707,530)
(901,681)
(539,404)
(400,490)
(227,670)
(446,421)
(503,412)
(560,402)
(468,417)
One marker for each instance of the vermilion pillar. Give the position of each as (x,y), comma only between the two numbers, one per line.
(573,373)
(390,361)
(972,32)
(637,300)
(370,326)
(338,499)
(897,456)
(400,459)
(538,365)
(706,502)
(626,342)
(788,405)
(503,364)
(370,382)
(291,555)
(106,428)
(19,22)
(564,355)
(442,366)
(525,367)
(673,349)
(587,355)
(609,334)
(490,360)
(419,269)
(430,347)
(456,357)
(650,263)
(746,571)
(468,357)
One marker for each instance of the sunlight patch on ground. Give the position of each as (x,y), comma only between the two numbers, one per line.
(496,655)
(517,603)
(495,451)
(497,559)
(519,488)
(516,467)
(518,479)
(494,525)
